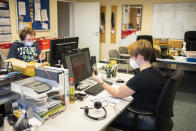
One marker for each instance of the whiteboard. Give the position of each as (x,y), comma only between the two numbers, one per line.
(172,20)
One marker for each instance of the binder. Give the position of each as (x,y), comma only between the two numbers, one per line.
(55,75)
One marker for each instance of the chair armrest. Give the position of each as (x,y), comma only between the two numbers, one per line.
(125,55)
(139,111)
(118,59)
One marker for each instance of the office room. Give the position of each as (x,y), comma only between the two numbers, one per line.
(97,65)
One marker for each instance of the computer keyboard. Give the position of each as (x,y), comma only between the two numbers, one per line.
(94,90)
(108,82)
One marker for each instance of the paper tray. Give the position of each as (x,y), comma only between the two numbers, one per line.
(19,87)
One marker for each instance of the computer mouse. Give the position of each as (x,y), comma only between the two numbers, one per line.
(120,81)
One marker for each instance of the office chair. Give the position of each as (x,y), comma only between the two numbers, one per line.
(190,39)
(114,55)
(150,39)
(122,50)
(164,109)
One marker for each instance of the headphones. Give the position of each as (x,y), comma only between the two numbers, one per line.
(97,105)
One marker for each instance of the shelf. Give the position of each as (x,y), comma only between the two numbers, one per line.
(5,33)
(8,97)
(5,25)
(4,17)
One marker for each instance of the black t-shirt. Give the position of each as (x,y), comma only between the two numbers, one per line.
(148,85)
(19,51)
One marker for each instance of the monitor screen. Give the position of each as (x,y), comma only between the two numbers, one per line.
(79,65)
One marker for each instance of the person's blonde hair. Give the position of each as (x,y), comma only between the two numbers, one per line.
(142,47)
(23,33)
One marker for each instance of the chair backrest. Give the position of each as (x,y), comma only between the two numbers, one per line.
(122,50)
(164,108)
(190,39)
(113,53)
(190,36)
(150,39)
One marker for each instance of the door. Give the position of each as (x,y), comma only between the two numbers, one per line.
(63,13)
(86,25)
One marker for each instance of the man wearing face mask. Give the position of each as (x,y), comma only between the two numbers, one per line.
(27,50)
(145,87)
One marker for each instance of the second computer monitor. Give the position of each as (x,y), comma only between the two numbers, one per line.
(60,47)
(79,65)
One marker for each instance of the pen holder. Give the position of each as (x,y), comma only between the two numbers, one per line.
(109,73)
(108,70)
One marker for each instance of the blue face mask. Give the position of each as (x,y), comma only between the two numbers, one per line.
(28,43)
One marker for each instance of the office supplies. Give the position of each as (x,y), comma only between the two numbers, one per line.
(97,105)
(80,96)
(120,81)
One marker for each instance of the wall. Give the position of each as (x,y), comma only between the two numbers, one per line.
(53,21)
(146,19)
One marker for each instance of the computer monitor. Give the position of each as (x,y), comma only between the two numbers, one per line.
(60,47)
(79,65)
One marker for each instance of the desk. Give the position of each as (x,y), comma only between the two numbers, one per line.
(74,119)
(179,62)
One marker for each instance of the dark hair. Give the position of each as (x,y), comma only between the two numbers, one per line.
(23,33)
(142,47)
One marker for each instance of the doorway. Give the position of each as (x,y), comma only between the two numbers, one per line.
(64,10)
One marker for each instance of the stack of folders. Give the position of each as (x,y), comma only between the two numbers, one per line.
(46,111)
(43,110)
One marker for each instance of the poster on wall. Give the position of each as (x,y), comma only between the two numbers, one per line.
(34,14)
(5,30)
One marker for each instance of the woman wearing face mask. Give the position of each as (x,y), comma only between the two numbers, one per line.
(145,87)
(26,50)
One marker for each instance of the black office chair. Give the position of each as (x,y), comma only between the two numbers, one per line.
(164,109)
(150,39)
(190,39)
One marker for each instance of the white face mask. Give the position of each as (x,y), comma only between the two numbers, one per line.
(133,64)
(28,43)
